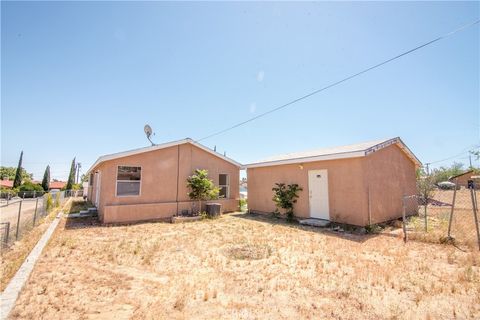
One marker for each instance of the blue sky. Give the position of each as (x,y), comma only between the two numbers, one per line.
(81,79)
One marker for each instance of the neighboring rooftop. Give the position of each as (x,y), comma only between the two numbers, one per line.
(332,153)
(57,184)
(6,183)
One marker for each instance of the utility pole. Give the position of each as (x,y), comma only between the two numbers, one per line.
(79,165)
(470,159)
(428,170)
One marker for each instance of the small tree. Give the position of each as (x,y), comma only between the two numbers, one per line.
(46,179)
(285,196)
(201,188)
(425,189)
(71,176)
(18,174)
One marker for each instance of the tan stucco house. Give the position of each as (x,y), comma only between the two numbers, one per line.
(465,178)
(150,183)
(358,184)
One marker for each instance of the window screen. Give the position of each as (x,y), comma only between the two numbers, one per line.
(128,181)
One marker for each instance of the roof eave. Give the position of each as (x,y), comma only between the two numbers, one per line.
(123,154)
(344,155)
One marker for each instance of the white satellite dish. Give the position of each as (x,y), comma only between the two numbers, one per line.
(148,132)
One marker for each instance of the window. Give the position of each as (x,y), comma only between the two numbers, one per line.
(128,181)
(224,185)
(91,179)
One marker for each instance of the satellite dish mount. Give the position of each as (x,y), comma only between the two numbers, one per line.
(148,132)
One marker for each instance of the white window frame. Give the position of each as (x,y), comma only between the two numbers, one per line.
(227,196)
(139,181)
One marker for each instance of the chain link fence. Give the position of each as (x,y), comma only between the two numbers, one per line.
(447,216)
(20,215)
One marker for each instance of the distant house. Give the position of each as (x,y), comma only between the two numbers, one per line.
(151,183)
(57,185)
(465,178)
(358,184)
(8,184)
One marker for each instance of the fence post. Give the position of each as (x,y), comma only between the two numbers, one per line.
(404,218)
(18,219)
(451,212)
(7,232)
(473,195)
(425,212)
(35,213)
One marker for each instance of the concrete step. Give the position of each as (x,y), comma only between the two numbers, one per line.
(314,222)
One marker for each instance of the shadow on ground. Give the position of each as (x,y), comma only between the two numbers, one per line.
(348,234)
(94,222)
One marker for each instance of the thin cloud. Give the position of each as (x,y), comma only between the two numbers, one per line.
(260,75)
(253,107)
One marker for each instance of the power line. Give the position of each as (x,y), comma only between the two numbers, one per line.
(340,81)
(465,151)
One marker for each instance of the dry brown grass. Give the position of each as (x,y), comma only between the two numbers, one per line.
(77,204)
(245,267)
(463,224)
(13,257)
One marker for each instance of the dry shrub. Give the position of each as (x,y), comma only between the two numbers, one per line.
(180,303)
(249,252)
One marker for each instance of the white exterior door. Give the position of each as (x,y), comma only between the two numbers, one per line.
(97,189)
(318,194)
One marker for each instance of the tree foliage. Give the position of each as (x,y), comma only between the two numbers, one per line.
(71,176)
(46,179)
(26,190)
(425,187)
(444,173)
(285,196)
(8,173)
(18,174)
(201,188)
(84,178)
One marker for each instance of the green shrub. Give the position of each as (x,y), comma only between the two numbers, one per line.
(373,229)
(49,202)
(285,196)
(242,203)
(201,188)
(29,190)
(6,193)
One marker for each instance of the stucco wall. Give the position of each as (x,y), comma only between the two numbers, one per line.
(463,179)
(390,176)
(347,192)
(361,190)
(158,191)
(157,210)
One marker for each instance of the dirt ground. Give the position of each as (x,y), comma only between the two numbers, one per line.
(245,267)
(463,227)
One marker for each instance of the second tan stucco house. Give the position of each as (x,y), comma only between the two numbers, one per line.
(467,178)
(360,184)
(151,183)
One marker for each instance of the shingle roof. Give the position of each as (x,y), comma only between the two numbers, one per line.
(331,153)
